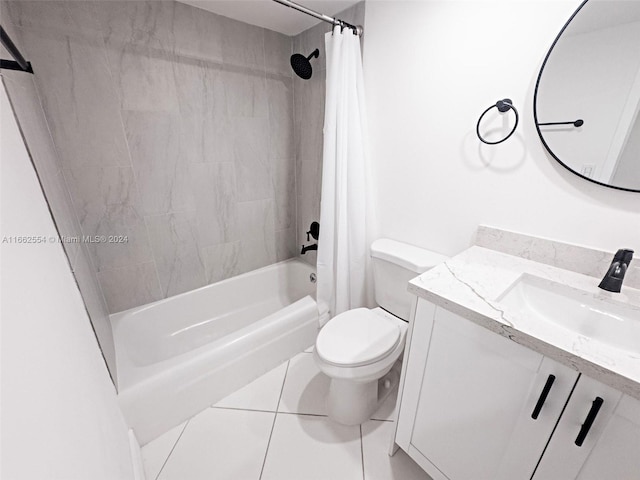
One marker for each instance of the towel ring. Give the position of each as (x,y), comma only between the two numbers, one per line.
(502,106)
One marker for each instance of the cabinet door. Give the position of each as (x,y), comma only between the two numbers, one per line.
(473,418)
(611,446)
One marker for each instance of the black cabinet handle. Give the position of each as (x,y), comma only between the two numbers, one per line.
(543,396)
(591,416)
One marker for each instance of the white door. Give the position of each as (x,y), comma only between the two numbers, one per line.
(478,394)
(595,439)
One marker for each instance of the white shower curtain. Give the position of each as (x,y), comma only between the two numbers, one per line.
(346,223)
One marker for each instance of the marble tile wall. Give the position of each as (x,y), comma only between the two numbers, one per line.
(174,128)
(309,98)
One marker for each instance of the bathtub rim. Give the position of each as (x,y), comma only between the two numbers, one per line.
(116,316)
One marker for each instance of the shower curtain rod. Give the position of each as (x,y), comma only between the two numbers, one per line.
(20,63)
(357,29)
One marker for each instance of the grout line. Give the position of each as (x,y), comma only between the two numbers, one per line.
(305,414)
(273,425)
(361,452)
(380,420)
(243,409)
(173,448)
(153,255)
(294,153)
(284,380)
(266,452)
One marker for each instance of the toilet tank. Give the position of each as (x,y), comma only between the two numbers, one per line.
(394,264)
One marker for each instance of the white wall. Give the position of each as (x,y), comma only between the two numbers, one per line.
(60,419)
(431,68)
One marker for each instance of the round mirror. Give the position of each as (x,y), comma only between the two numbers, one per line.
(587,97)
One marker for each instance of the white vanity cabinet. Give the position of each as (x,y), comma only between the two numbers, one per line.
(469,396)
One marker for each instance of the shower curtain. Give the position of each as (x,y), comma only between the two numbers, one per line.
(346,220)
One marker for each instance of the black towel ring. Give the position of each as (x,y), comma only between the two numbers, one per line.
(502,106)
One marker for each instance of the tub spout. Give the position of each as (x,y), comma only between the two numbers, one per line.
(306,248)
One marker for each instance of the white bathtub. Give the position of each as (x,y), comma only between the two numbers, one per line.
(177,356)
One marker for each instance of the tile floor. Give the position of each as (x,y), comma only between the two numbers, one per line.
(276,428)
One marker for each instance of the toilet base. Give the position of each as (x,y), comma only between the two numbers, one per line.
(352,403)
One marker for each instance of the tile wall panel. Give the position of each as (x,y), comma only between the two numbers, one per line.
(221,261)
(125,287)
(216,200)
(174,128)
(257,234)
(174,239)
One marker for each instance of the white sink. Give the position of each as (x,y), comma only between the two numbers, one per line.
(589,314)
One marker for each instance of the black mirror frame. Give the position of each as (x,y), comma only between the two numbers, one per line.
(535,111)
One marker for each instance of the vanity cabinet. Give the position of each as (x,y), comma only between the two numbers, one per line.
(469,398)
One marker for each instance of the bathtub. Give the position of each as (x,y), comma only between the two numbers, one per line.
(177,356)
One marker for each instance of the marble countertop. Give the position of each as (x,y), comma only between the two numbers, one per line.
(471,284)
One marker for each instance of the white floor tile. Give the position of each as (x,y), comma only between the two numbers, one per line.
(305,388)
(220,444)
(261,394)
(155,453)
(313,448)
(386,410)
(378,465)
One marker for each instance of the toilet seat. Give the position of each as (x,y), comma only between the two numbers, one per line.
(357,337)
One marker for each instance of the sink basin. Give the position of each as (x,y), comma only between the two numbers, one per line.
(584,313)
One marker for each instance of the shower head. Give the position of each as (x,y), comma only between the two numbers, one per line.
(301,64)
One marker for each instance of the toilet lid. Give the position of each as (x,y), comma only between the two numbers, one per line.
(357,337)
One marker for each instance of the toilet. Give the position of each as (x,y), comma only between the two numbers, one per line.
(358,349)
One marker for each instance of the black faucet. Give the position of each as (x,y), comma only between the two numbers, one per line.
(306,248)
(612,281)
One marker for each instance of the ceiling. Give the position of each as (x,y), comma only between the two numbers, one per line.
(272,15)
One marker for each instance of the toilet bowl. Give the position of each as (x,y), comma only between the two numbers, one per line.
(359,348)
